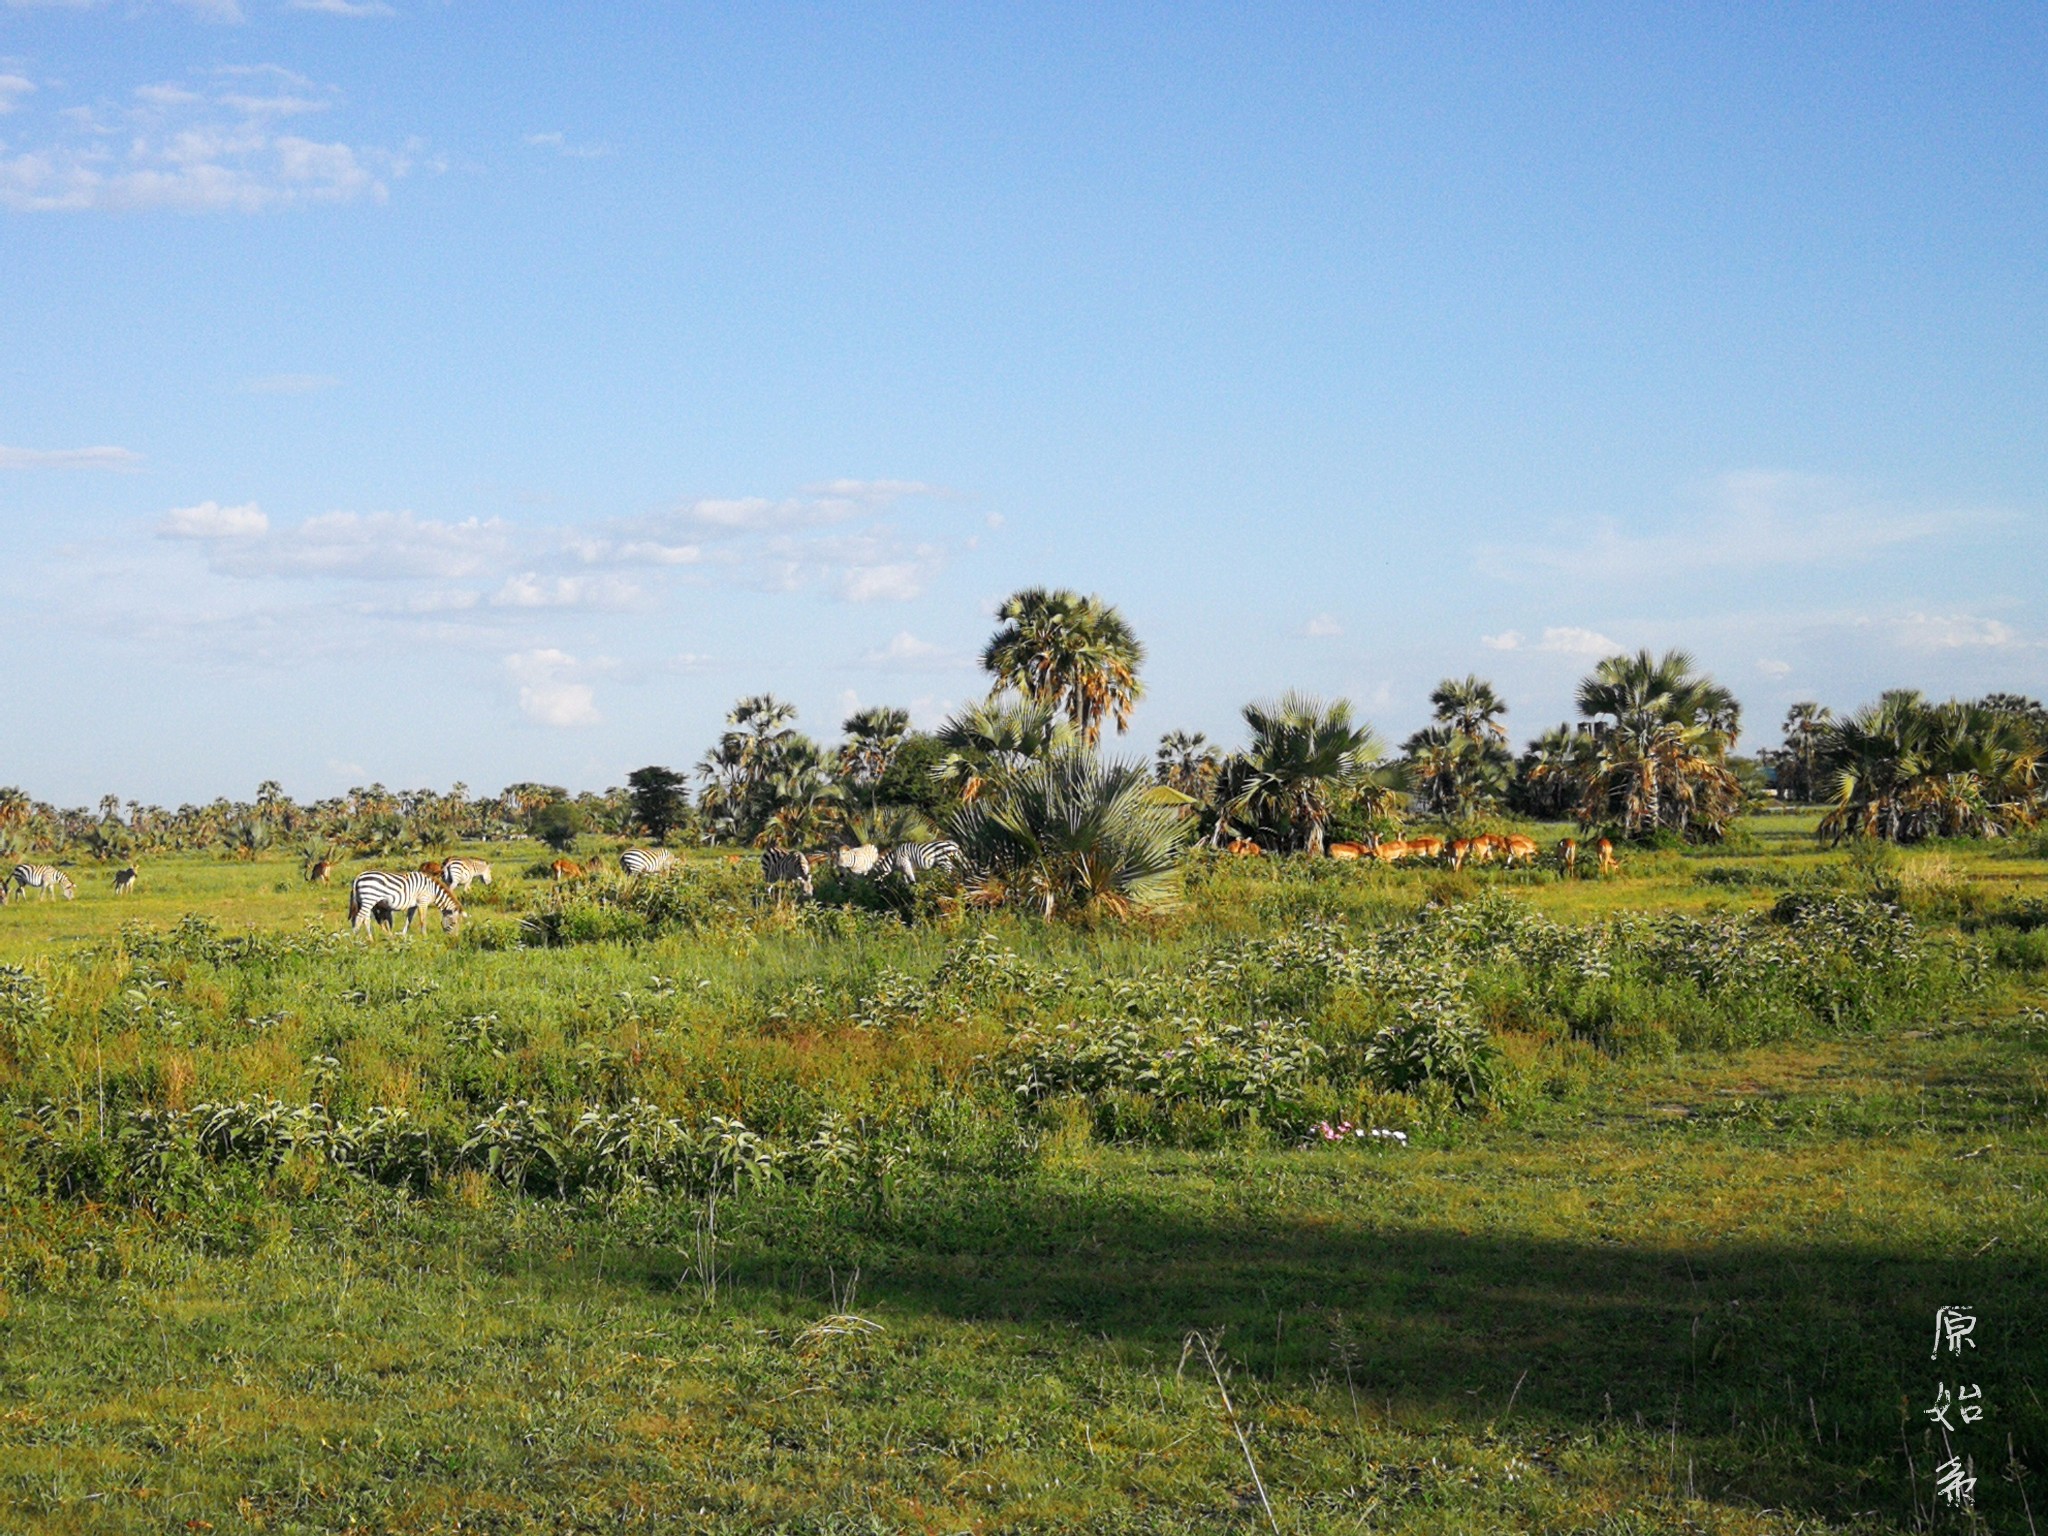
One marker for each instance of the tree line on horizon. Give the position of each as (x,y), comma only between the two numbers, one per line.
(1652,755)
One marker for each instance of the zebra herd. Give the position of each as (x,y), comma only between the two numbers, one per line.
(905,861)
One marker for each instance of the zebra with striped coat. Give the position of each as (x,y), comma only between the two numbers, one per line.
(913,859)
(124,880)
(457,874)
(783,866)
(647,861)
(375,895)
(45,878)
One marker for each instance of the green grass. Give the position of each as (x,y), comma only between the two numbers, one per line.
(1658,1285)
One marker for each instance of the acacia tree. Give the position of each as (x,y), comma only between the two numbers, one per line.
(1070,653)
(660,799)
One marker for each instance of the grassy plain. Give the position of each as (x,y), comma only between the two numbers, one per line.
(1672,1274)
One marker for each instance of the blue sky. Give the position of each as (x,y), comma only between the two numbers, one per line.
(425,391)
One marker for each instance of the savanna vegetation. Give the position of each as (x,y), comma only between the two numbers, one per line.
(1107,1182)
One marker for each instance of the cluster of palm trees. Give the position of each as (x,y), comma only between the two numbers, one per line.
(1904,769)
(369,820)
(1016,778)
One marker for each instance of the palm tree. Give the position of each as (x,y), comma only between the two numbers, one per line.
(1451,772)
(1902,769)
(873,737)
(1185,761)
(1663,733)
(760,732)
(1072,836)
(1797,761)
(1469,706)
(1001,736)
(1303,753)
(801,802)
(1072,653)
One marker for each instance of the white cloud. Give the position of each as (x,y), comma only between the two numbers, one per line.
(1742,521)
(649,552)
(69,458)
(905,652)
(1322,627)
(560,144)
(530,590)
(212,146)
(375,546)
(291,384)
(1775,668)
(342,7)
(1506,640)
(897,583)
(547,693)
(211,520)
(1569,640)
(11,87)
(1950,632)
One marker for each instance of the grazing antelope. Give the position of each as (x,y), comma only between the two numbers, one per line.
(375,895)
(45,878)
(1459,851)
(1607,864)
(318,874)
(860,860)
(1348,850)
(1520,850)
(566,869)
(124,880)
(1244,847)
(1426,847)
(459,874)
(781,866)
(647,861)
(1568,854)
(1389,853)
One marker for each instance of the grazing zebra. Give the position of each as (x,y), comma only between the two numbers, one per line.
(456,874)
(781,866)
(857,861)
(645,861)
(912,859)
(374,894)
(124,880)
(43,877)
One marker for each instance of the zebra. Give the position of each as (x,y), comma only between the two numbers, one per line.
(912,859)
(781,866)
(44,877)
(124,880)
(456,874)
(375,894)
(857,861)
(644,861)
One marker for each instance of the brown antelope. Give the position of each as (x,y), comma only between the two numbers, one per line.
(1520,850)
(321,869)
(1245,847)
(432,867)
(566,869)
(1607,864)
(1389,853)
(1348,850)
(1426,847)
(1459,851)
(1568,854)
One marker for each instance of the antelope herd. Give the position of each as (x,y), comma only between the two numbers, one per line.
(1511,850)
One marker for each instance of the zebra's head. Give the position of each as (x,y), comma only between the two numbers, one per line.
(451,918)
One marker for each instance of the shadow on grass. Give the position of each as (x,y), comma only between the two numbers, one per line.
(1794,1375)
